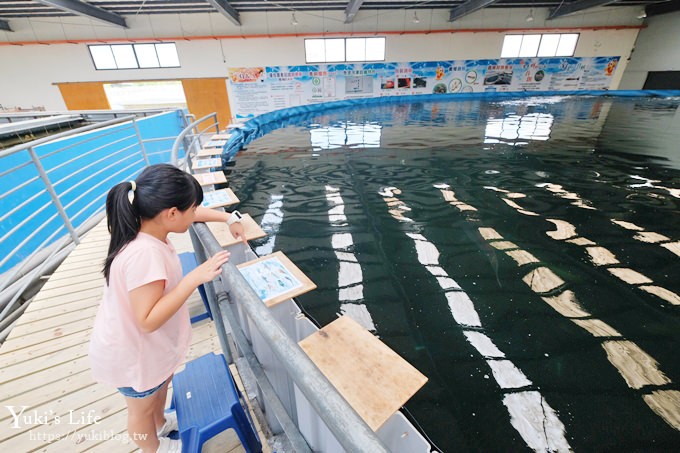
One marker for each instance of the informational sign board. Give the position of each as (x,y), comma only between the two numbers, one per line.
(253,91)
(275,278)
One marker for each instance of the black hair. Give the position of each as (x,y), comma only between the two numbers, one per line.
(158,187)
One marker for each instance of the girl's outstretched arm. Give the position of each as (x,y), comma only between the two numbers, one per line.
(152,309)
(212,215)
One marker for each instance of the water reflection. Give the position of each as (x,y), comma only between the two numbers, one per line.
(530,414)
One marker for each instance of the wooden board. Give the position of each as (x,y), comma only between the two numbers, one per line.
(270,276)
(215,144)
(224,237)
(220,137)
(219,198)
(209,152)
(201,164)
(374,379)
(209,179)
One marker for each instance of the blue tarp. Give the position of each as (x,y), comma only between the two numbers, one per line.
(263,124)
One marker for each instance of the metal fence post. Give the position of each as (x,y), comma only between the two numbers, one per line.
(53,194)
(212,300)
(141,142)
(346,425)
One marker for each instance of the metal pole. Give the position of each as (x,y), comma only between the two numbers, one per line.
(212,299)
(348,427)
(53,194)
(273,402)
(141,142)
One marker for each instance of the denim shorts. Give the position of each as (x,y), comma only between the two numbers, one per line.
(132,393)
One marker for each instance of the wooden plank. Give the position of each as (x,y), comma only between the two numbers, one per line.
(65,298)
(209,179)
(209,152)
(12,372)
(369,375)
(35,312)
(60,437)
(219,198)
(271,275)
(69,278)
(73,289)
(220,137)
(71,400)
(49,392)
(15,342)
(203,164)
(45,348)
(90,272)
(33,381)
(59,320)
(221,231)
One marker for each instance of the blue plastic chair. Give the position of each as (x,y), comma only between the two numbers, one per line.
(207,402)
(189,263)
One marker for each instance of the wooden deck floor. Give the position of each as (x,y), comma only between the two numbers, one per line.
(45,373)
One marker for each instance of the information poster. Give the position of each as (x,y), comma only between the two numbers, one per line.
(253,91)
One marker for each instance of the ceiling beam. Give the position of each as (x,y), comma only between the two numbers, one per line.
(352,9)
(662,8)
(86,10)
(226,10)
(579,5)
(4,25)
(468,7)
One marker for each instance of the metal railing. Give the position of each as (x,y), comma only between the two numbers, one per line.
(190,140)
(57,194)
(348,427)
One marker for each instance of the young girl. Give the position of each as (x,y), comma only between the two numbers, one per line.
(142,330)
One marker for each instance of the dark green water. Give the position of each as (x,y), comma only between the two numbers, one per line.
(601,151)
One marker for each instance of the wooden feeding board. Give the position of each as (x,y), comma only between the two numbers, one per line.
(219,198)
(374,379)
(215,144)
(221,231)
(209,179)
(201,164)
(275,278)
(221,136)
(209,152)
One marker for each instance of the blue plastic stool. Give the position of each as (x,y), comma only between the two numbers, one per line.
(189,263)
(207,402)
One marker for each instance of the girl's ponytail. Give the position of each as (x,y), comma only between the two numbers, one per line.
(122,219)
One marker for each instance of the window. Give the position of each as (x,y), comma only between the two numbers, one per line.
(517,129)
(134,56)
(338,50)
(547,45)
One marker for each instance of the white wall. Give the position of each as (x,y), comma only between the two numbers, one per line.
(29,71)
(657,49)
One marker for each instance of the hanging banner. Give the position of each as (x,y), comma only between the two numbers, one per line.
(253,91)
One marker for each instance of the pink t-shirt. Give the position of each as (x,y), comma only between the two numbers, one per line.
(121,354)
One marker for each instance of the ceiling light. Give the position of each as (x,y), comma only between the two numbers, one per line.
(530,17)
(415,19)
(293,20)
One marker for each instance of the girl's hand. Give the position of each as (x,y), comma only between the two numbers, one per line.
(209,270)
(236,230)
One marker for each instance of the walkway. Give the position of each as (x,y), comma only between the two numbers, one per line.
(45,369)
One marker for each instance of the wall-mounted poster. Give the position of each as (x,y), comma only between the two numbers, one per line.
(253,91)
(275,278)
